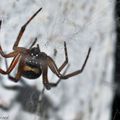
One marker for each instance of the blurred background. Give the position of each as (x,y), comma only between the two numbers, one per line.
(92,95)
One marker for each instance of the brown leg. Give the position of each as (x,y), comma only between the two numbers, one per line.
(23,29)
(12,54)
(16,56)
(66,58)
(14,61)
(53,65)
(55,70)
(18,75)
(16,78)
(58,81)
(45,78)
(12,65)
(78,71)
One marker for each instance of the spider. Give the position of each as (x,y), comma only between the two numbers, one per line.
(33,62)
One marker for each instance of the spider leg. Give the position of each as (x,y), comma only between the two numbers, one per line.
(23,29)
(33,43)
(16,55)
(12,65)
(16,78)
(55,70)
(66,58)
(45,77)
(78,71)
(12,54)
(18,75)
(58,81)
(62,66)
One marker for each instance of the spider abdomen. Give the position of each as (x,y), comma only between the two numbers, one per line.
(31,72)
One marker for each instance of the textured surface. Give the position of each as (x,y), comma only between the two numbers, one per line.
(81,23)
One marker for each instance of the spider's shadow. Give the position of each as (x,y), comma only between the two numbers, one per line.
(28,98)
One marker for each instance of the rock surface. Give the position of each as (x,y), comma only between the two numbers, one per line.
(82,24)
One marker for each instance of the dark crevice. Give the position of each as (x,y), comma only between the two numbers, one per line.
(116,100)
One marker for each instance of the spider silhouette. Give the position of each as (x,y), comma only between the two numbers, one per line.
(33,62)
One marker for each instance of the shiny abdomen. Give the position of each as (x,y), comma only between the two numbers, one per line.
(31,72)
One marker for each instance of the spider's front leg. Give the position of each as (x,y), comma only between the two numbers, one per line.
(17,52)
(12,54)
(22,30)
(15,46)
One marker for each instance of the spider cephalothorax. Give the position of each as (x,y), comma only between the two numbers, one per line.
(34,63)
(35,52)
